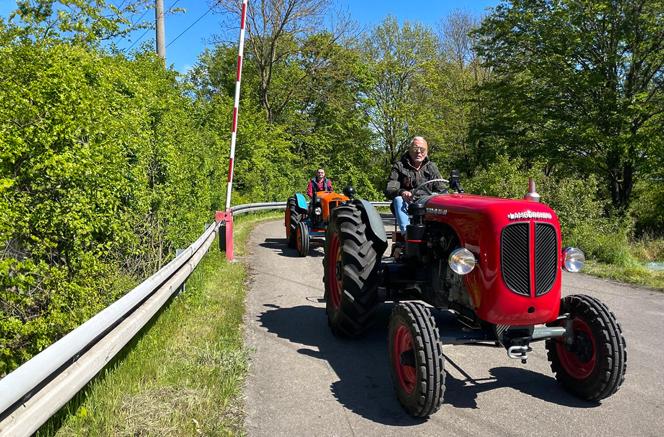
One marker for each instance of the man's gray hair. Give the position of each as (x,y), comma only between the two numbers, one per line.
(418,138)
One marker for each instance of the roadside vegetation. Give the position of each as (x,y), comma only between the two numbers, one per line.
(110,160)
(180,376)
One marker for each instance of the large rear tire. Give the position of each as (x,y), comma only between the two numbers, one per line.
(593,366)
(350,272)
(291,220)
(302,239)
(416,359)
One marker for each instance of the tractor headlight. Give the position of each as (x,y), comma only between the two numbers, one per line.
(461,261)
(318,210)
(573,259)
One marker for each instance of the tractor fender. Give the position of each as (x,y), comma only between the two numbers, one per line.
(374,221)
(302,202)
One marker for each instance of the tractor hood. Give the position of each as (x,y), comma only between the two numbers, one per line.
(503,209)
(517,245)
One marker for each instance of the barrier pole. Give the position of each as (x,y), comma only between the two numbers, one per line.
(231,161)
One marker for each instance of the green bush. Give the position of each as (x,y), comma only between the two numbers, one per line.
(103,173)
(647,208)
(583,221)
(503,178)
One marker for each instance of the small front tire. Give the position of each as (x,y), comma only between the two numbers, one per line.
(302,239)
(593,365)
(416,359)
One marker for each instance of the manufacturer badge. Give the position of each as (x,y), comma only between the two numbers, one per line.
(529,215)
(437,211)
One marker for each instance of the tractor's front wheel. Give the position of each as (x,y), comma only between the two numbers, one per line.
(302,239)
(416,359)
(350,272)
(591,360)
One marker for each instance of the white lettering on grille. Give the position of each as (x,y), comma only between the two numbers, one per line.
(529,215)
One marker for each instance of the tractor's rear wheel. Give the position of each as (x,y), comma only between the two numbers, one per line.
(302,239)
(350,272)
(592,365)
(416,359)
(291,220)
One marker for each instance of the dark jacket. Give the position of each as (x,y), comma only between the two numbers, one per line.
(404,177)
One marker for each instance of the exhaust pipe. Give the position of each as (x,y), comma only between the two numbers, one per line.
(532,194)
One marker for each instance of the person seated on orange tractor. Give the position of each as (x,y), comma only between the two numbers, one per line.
(412,170)
(318,183)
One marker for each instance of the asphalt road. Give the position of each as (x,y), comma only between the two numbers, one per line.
(303,381)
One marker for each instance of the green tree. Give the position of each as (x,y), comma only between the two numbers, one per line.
(398,58)
(77,21)
(105,169)
(448,96)
(578,82)
(274,29)
(323,122)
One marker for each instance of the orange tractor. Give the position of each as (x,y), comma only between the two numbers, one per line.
(307,220)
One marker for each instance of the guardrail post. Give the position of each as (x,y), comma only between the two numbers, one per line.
(226,232)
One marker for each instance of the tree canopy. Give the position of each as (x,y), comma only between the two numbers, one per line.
(580,84)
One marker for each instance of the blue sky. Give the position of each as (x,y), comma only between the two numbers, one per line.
(183,52)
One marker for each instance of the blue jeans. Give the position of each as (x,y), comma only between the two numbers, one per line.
(401,213)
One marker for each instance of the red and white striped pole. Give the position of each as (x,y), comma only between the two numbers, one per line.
(228,215)
(236,107)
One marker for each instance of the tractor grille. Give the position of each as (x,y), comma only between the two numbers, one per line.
(514,251)
(516,260)
(546,257)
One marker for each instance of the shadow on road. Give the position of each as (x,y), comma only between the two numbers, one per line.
(364,384)
(462,393)
(280,247)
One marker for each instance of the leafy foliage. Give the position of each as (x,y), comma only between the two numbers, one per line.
(580,84)
(104,173)
(77,21)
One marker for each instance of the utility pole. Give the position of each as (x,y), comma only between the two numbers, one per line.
(161,32)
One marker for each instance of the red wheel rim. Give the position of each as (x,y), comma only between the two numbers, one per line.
(579,358)
(335,272)
(405,372)
(298,237)
(288,228)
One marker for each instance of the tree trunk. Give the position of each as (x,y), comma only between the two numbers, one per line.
(621,183)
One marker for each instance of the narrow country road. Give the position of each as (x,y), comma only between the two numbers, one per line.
(305,382)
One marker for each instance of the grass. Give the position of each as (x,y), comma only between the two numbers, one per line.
(630,265)
(635,274)
(184,373)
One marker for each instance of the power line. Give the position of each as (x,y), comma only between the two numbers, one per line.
(173,5)
(149,9)
(149,29)
(139,38)
(144,14)
(192,24)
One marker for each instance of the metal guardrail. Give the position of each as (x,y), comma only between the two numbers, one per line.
(254,207)
(35,391)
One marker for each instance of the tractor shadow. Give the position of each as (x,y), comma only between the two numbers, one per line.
(280,247)
(365,385)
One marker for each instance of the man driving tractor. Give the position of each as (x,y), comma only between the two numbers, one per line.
(412,170)
(319,183)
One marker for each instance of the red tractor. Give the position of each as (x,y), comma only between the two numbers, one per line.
(495,265)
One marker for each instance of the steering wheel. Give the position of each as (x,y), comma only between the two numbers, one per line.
(427,189)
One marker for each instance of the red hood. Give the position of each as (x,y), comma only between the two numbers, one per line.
(492,205)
